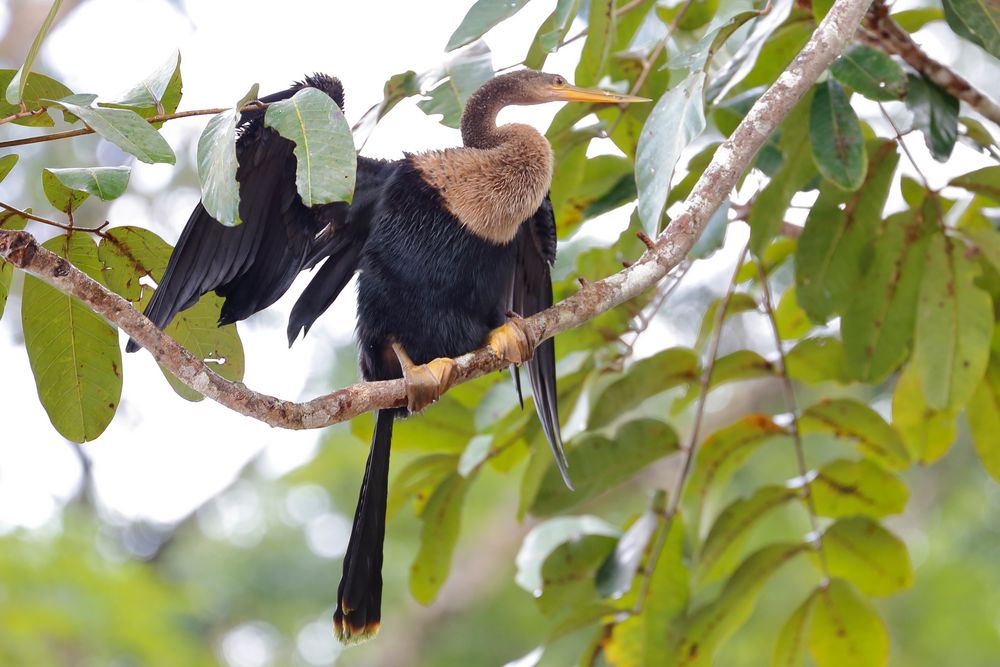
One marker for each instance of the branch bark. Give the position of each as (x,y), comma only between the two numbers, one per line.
(670,248)
(885,34)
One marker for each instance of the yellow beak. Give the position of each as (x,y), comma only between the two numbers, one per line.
(575,94)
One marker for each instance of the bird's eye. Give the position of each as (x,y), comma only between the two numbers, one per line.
(559,81)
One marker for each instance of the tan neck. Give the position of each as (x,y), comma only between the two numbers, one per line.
(492,190)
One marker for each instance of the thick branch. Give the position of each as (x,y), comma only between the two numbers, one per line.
(885,34)
(730,161)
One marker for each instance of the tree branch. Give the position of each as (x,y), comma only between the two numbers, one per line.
(715,185)
(885,34)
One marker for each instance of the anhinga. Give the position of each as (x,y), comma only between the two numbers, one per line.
(447,243)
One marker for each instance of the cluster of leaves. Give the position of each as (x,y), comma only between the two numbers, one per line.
(870,306)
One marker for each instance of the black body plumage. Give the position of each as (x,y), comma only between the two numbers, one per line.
(426,282)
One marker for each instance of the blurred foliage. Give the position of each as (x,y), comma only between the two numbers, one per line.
(840,355)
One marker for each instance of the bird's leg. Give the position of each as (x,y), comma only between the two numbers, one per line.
(511,342)
(425,382)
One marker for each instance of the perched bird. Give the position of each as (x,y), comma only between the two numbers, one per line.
(447,243)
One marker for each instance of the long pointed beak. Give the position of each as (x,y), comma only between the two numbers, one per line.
(575,94)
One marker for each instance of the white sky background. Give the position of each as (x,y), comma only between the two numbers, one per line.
(162,456)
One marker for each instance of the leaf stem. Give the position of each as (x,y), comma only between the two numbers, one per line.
(23,114)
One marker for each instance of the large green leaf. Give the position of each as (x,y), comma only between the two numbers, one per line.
(985,181)
(105,182)
(462,75)
(74,353)
(871,73)
(617,574)
(325,160)
(417,481)
(861,551)
(441,518)
(545,538)
(977,21)
(846,630)
(597,463)
(8,220)
(878,325)
(793,640)
(158,93)
(14,92)
(847,419)
(844,488)
(838,147)
(817,359)
(62,198)
(837,236)
(125,129)
(677,118)
(645,378)
(220,193)
(954,326)
(597,48)
(928,433)
(984,419)
(935,113)
(480,18)
(39,87)
(129,254)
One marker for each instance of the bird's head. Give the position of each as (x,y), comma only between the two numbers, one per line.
(530,87)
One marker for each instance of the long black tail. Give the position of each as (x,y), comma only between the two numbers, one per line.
(359,596)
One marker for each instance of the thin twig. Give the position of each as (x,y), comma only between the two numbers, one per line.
(53,223)
(902,144)
(23,114)
(646,317)
(792,406)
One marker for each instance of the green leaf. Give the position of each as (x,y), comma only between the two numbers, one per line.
(871,73)
(396,89)
(480,18)
(39,87)
(15,89)
(7,163)
(461,76)
(912,20)
(928,433)
(861,551)
(733,367)
(74,352)
(325,160)
(977,21)
(8,220)
(129,254)
(844,488)
(643,379)
(724,545)
(220,192)
(985,181)
(125,129)
(838,147)
(845,418)
(878,325)
(984,419)
(954,326)
(935,113)
(562,19)
(441,518)
(817,359)
(105,182)
(711,625)
(726,16)
(677,118)
(158,92)
(642,640)
(417,482)
(739,302)
(790,650)
(790,318)
(62,198)
(597,463)
(830,257)
(546,537)
(616,575)
(593,61)
(846,630)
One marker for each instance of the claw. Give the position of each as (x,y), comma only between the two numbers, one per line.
(511,341)
(424,383)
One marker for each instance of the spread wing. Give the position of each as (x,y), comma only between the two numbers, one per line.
(253,264)
(531,292)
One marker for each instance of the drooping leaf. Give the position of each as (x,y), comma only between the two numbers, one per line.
(793,640)
(461,76)
(817,359)
(396,89)
(878,324)
(977,21)
(928,433)
(845,418)
(14,91)
(643,379)
(985,181)
(220,193)
(11,221)
(125,129)
(838,147)
(984,419)
(562,19)
(544,538)
(677,118)
(438,535)
(325,160)
(597,48)
(158,91)
(846,630)
(105,182)
(837,236)
(954,326)
(62,198)
(790,318)
(861,551)
(844,488)
(598,463)
(417,481)
(480,18)
(935,114)
(871,73)
(39,87)
(616,575)
(7,163)
(74,352)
